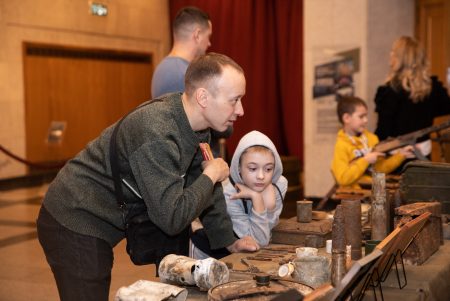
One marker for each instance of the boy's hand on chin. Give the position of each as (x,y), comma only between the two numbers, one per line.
(255,197)
(243,192)
(269,197)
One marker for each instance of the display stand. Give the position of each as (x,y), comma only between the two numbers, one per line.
(397,259)
(373,269)
(405,237)
(374,284)
(359,275)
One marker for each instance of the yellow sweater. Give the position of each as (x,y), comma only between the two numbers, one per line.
(347,170)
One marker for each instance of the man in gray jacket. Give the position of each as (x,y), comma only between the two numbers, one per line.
(159,159)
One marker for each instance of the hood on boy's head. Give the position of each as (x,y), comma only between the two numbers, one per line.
(251,139)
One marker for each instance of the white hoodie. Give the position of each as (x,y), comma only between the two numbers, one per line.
(256,225)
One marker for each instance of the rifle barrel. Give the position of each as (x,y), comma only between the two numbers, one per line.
(408,139)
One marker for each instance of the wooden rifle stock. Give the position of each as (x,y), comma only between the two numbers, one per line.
(408,139)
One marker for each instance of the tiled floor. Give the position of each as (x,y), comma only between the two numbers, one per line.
(24,273)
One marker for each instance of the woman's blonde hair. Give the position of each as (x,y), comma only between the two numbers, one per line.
(410,69)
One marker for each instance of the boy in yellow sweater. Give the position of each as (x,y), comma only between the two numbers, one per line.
(354,159)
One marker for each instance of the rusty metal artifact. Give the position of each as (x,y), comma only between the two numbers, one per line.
(291,232)
(304,211)
(338,269)
(379,217)
(429,239)
(260,289)
(353,231)
(312,270)
(338,230)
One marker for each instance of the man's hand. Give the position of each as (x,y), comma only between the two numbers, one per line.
(244,244)
(217,169)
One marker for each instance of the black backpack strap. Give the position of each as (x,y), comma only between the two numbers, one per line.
(113,157)
(113,161)
(278,189)
(231,181)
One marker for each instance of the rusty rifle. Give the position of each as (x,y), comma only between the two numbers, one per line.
(408,139)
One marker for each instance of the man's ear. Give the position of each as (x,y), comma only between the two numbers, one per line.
(202,97)
(197,33)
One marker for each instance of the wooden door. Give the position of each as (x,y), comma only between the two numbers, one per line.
(433,31)
(87,89)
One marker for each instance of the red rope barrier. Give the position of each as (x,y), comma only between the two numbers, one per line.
(29,163)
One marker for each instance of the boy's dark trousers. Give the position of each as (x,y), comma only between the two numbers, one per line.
(80,264)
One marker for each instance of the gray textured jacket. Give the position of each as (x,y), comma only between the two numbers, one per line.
(158,151)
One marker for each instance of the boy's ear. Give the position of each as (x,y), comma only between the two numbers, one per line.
(346,117)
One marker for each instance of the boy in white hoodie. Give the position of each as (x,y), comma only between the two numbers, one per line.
(254,192)
(255,199)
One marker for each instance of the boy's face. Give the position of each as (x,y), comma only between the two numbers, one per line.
(257,168)
(354,124)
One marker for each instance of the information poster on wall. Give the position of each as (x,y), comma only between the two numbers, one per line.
(332,80)
(335,78)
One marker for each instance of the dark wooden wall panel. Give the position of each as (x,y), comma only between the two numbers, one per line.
(433,31)
(87,88)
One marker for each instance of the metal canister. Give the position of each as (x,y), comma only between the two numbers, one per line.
(353,231)
(338,270)
(304,211)
(379,217)
(338,230)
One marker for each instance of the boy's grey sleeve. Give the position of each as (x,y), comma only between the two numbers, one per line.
(259,227)
(252,224)
(274,215)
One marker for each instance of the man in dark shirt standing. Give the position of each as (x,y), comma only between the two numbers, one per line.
(192,30)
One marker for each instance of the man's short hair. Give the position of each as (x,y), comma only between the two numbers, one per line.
(348,104)
(188,16)
(203,70)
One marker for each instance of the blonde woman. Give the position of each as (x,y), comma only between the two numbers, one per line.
(410,98)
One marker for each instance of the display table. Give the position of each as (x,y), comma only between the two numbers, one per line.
(245,265)
(430,281)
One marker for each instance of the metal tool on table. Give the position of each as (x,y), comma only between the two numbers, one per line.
(251,268)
